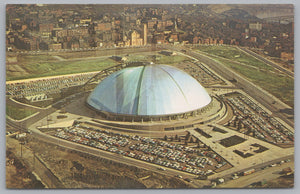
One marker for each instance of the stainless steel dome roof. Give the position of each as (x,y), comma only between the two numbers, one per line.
(149,90)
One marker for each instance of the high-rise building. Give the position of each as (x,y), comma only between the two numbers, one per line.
(145,34)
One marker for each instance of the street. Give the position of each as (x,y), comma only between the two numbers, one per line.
(266,174)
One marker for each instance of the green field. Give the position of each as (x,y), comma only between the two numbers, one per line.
(35,58)
(277,84)
(42,69)
(261,74)
(234,54)
(18,113)
(47,65)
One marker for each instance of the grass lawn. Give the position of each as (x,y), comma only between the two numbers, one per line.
(35,58)
(231,141)
(18,113)
(42,69)
(47,65)
(255,70)
(277,84)
(234,54)
(79,54)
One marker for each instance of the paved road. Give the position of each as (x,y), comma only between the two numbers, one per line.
(251,89)
(273,155)
(267,174)
(49,77)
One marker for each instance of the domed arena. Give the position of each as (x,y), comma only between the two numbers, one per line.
(149,90)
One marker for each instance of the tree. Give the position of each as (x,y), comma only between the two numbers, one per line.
(234,123)
(192,140)
(166,138)
(187,135)
(171,138)
(176,137)
(239,125)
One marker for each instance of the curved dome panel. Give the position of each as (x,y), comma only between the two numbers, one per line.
(149,90)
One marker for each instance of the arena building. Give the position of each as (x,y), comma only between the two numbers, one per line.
(151,93)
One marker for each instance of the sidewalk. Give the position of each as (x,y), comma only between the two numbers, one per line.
(238,162)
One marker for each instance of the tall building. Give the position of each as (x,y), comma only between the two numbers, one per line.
(145,34)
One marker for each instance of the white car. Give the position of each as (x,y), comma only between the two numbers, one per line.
(235,177)
(179,176)
(161,168)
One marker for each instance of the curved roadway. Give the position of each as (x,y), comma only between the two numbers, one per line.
(263,97)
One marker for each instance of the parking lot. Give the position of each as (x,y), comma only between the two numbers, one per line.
(252,120)
(45,85)
(202,74)
(197,161)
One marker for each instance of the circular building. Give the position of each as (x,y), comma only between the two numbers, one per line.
(149,91)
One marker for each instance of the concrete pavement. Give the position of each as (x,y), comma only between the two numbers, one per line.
(238,162)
